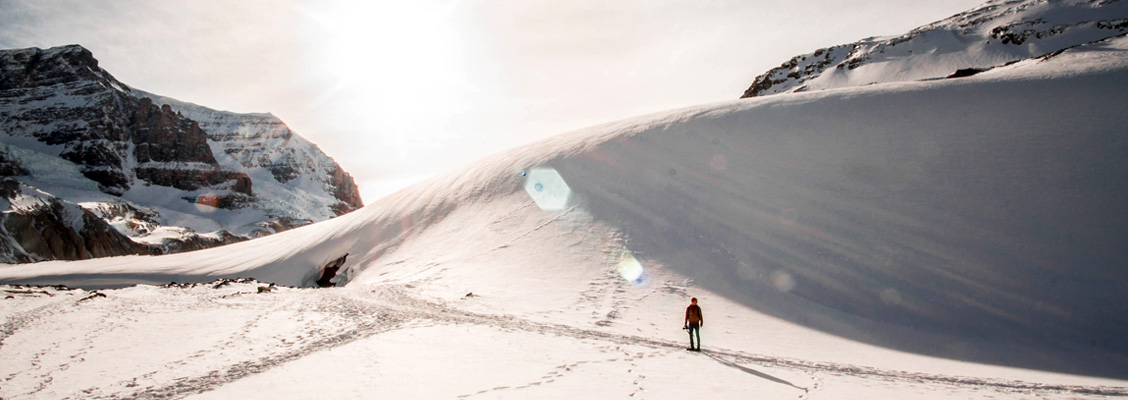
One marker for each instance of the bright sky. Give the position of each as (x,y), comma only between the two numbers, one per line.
(396,91)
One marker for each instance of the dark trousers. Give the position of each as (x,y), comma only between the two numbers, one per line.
(695,329)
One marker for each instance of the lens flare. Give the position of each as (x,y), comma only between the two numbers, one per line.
(631,270)
(547,188)
(783,281)
(206,202)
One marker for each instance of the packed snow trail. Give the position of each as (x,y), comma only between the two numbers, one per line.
(175,342)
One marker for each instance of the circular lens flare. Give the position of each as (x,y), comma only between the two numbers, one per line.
(783,281)
(632,270)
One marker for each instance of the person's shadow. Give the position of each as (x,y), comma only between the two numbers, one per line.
(752,371)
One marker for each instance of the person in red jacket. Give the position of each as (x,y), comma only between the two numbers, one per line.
(693,322)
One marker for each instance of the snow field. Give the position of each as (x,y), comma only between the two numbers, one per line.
(224,340)
(977,219)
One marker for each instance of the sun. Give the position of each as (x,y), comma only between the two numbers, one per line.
(393,58)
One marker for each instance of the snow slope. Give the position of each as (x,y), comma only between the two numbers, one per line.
(869,242)
(992,35)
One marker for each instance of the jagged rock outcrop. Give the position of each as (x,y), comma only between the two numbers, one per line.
(62,98)
(10,167)
(991,35)
(345,190)
(44,227)
(38,226)
(161,135)
(30,68)
(68,126)
(279,159)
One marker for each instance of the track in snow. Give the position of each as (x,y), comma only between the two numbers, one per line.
(738,359)
(41,342)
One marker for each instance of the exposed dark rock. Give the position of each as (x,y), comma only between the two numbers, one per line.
(283,170)
(799,69)
(34,67)
(92,296)
(48,231)
(9,188)
(1002,32)
(160,135)
(189,177)
(120,138)
(262,141)
(100,135)
(109,180)
(9,166)
(102,240)
(130,218)
(1117,25)
(91,155)
(345,189)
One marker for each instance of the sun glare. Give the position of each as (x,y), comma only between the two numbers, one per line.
(393,61)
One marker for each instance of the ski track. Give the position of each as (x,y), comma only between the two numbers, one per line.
(350,316)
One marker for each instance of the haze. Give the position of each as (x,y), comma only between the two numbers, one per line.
(398,91)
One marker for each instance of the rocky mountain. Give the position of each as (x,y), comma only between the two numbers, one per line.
(994,34)
(276,158)
(91,167)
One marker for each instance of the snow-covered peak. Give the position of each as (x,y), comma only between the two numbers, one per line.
(283,164)
(991,35)
(35,67)
(70,129)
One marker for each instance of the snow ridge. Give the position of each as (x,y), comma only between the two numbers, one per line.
(992,35)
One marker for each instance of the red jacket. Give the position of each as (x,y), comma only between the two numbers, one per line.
(693,314)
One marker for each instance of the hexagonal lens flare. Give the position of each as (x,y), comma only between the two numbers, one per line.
(547,188)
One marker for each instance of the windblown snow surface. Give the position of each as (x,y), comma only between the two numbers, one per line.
(960,238)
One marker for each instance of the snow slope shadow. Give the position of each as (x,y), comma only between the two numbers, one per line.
(980,220)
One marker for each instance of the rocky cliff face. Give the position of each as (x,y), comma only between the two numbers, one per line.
(39,225)
(279,161)
(994,34)
(61,98)
(71,131)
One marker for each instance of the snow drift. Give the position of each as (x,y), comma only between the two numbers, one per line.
(979,218)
